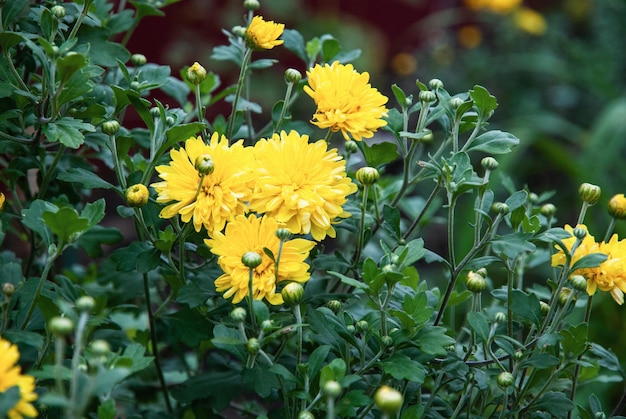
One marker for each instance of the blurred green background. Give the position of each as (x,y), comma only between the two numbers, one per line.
(557,68)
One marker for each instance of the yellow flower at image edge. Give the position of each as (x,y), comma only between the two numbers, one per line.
(253,234)
(262,34)
(215,198)
(10,376)
(303,185)
(345,101)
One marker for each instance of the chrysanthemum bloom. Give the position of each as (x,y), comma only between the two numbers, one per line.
(213,199)
(10,376)
(586,246)
(345,101)
(253,234)
(530,21)
(617,206)
(263,35)
(303,185)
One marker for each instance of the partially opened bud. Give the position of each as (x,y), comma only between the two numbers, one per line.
(137,195)
(589,193)
(292,293)
(204,164)
(367,175)
(617,207)
(196,74)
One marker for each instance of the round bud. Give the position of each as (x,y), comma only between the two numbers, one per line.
(545,307)
(85,304)
(589,193)
(427,96)
(351,329)
(408,101)
(367,175)
(489,163)
(455,102)
(196,74)
(169,121)
(110,127)
(505,379)
(501,208)
(137,195)
(428,136)
(579,232)
(564,296)
(390,267)
(8,289)
(240,31)
(58,11)
(475,282)
(292,75)
(155,112)
(253,346)
(305,414)
(204,165)
(394,259)
(518,355)
(351,146)
(500,317)
(533,198)
(435,84)
(600,415)
(334,305)
(251,4)
(579,283)
(100,347)
(61,326)
(388,400)
(617,207)
(238,314)
(292,293)
(387,341)
(362,326)
(138,60)
(283,234)
(547,210)
(251,259)
(482,272)
(267,325)
(332,388)
(135,85)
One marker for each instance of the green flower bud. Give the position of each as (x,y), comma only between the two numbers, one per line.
(137,195)
(8,289)
(547,210)
(135,85)
(435,84)
(292,293)
(564,296)
(283,234)
(367,175)
(455,102)
(500,317)
(138,60)
(533,198)
(579,283)
(169,121)
(617,207)
(589,193)
(251,4)
(505,379)
(501,208)
(196,74)
(600,415)
(362,326)
(85,304)
(334,305)
(482,272)
(155,112)
(475,282)
(518,355)
(292,75)
(489,163)
(238,314)
(305,414)
(390,267)
(332,388)
(545,307)
(253,346)
(351,146)
(110,127)
(204,165)
(240,31)
(267,325)
(579,232)
(388,400)
(61,326)
(387,341)
(251,259)
(100,347)
(351,329)
(427,96)
(427,137)
(58,11)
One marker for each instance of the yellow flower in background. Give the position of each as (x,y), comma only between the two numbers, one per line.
(469,36)
(345,101)
(303,185)
(262,34)
(253,234)
(495,6)
(215,198)
(2,200)
(11,376)
(530,21)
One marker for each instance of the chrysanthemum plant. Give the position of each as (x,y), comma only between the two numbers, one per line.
(356,261)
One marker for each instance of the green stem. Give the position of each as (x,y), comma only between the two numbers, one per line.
(201,111)
(361,236)
(240,82)
(251,298)
(42,279)
(577,367)
(50,171)
(80,19)
(78,349)
(283,111)
(59,350)
(119,170)
(406,172)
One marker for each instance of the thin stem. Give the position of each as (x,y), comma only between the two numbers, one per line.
(240,82)
(78,349)
(48,176)
(59,350)
(577,367)
(42,279)
(583,212)
(298,314)
(119,171)
(251,298)
(406,172)
(80,19)
(609,230)
(201,111)
(283,111)
(361,236)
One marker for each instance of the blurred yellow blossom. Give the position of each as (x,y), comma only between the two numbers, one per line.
(530,21)
(11,376)
(262,34)
(469,36)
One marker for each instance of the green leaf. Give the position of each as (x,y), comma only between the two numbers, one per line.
(399,94)
(478,323)
(526,306)
(70,64)
(517,200)
(180,133)
(68,131)
(313,48)
(11,11)
(410,253)
(65,223)
(316,360)
(513,244)
(86,178)
(379,154)
(10,39)
(555,403)
(294,42)
(484,101)
(391,220)
(591,260)
(401,367)
(607,359)
(540,360)
(106,409)
(8,399)
(107,379)
(330,48)
(188,326)
(349,281)
(219,387)
(433,340)
(334,371)
(494,142)
(33,218)
(91,241)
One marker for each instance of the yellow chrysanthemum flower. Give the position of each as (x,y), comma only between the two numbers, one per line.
(530,21)
(253,234)
(303,185)
(587,246)
(11,376)
(263,35)
(215,198)
(345,101)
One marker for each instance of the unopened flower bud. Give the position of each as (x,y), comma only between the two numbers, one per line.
(390,267)
(251,259)
(138,60)
(283,234)
(253,346)
(240,31)
(547,210)
(501,208)
(169,121)
(305,414)
(500,317)
(251,4)
(489,163)
(204,164)
(579,232)
(482,272)
(564,296)
(8,289)
(135,85)
(367,175)
(505,379)
(388,400)
(579,283)
(292,293)
(533,198)
(427,96)
(427,137)
(58,11)
(110,127)
(617,207)
(238,314)
(85,304)
(196,74)
(351,329)
(362,326)
(332,388)
(137,195)
(61,326)
(100,347)
(545,307)
(267,325)
(292,75)
(589,193)
(155,112)
(387,341)
(334,305)
(518,355)
(475,282)
(351,146)
(455,102)
(435,84)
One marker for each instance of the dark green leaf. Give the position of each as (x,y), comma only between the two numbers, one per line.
(64,223)
(180,133)
(334,371)
(607,359)
(513,244)
(316,360)
(391,220)
(106,409)
(86,178)
(591,260)
(541,360)
(8,399)
(433,340)
(494,142)
(574,339)
(330,48)
(349,281)
(401,367)
(294,42)
(11,11)
(70,64)
(68,131)
(555,403)
(484,101)
(91,241)
(478,323)
(218,386)
(399,94)
(526,306)
(188,326)
(33,218)
(410,253)
(379,154)
(517,200)
(9,39)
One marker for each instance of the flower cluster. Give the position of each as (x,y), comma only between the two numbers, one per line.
(11,376)
(610,275)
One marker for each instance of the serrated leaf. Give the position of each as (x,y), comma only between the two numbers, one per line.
(494,142)
(478,323)
(526,306)
(70,64)
(511,245)
(379,154)
(65,223)
(484,101)
(87,179)
(68,131)
(401,367)
(32,218)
